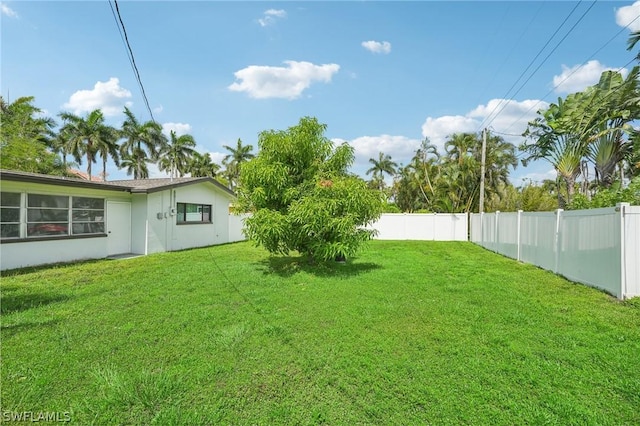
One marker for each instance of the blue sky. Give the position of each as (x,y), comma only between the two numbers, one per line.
(381,75)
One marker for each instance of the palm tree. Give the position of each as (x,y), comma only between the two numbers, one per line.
(460,145)
(176,155)
(233,161)
(202,165)
(108,147)
(132,165)
(556,145)
(384,164)
(142,141)
(26,138)
(84,136)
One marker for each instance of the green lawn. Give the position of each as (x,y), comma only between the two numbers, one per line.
(407,333)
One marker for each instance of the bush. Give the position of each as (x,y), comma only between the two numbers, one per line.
(302,197)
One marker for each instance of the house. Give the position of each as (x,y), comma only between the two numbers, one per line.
(48,219)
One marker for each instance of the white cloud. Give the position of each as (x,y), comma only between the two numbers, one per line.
(579,77)
(438,129)
(628,15)
(504,116)
(216,157)
(537,177)
(154,172)
(179,128)
(107,96)
(377,47)
(270,16)
(7,11)
(401,148)
(262,82)
(158,109)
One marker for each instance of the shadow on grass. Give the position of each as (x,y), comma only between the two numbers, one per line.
(11,302)
(9,330)
(286,266)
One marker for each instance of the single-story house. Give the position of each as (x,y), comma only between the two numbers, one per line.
(48,219)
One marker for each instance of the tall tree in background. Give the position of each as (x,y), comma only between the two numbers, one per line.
(142,142)
(176,155)
(234,160)
(202,165)
(383,165)
(600,117)
(108,148)
(25,138)
(84,136)
(548,138)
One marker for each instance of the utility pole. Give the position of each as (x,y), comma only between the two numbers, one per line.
(482,168)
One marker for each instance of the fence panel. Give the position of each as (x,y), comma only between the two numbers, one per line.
(507,235)
(475,234)
(632,251)
(450,227)
(489,231)
(236,223)
(589,248)
(422,226)
(538,239)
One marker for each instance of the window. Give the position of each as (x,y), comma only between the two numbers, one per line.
(10,214)
(193,213)
(47,215)
(50,215)
(87,216)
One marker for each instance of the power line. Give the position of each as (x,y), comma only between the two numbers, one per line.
(506,96)
(130,55)
(513,48)
(576,70)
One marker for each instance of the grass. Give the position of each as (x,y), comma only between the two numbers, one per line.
(407,333)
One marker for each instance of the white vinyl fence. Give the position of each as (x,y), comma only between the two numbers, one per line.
(396,226)
(236,223)
(422,226)
(597,247)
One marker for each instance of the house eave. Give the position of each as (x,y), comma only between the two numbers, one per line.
(9,175)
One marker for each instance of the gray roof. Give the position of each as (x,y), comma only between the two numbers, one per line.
(129,185)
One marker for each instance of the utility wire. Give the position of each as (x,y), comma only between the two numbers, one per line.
(576,70)
(544,60)
(513,48)
(130,55)
(506,96)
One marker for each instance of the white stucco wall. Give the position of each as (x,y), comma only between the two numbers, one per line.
(153,224)
(23,253)
(164,234)
(139,223)
(33,253)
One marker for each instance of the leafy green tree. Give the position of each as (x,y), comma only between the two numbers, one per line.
(383,165)
(142,142)
(302,196)
(176,154)
(202,165)
(550,139)
(600,117)
(87,136)
(26,137)
(609,197)
(234,160)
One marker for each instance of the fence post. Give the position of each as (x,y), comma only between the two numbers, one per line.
(518,221)
(557,240)
(496,233)
(620,209)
